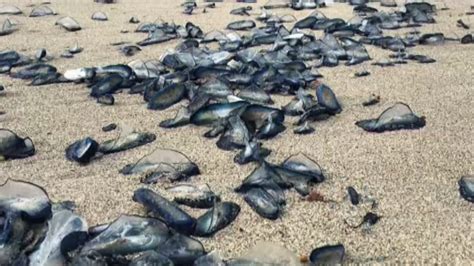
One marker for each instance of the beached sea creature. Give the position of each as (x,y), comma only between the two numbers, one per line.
(420,12)
(189,3)
(300,180)
(5,67)
(68,23)
(217,128)
(300,104)
(241,25)
(241,11)
(363,9)
(368,220)
(31,71)
(26,199)
(327,99)
(18,238)
(353,195)
(14,147)
(166,210)
(182,250)
(47,78)
(314,113)
(211,258)
(46,72)
(216,219)
(422,59)
(211,5)
(10,58)
(97,229)
(163,164)
(156,36)
(24,209)
(178,61)
(397,117)
(130,50)
(432,38)
(272,4)
(466,188)
(275,19)
(263,192)
(327,255)
(263,176)
(42,11)
(147,27)
(7,28)
(124,71)
(216,88)
(67,54)
(212,113)
(146,69)
(150,257)
(188,10)
(304,129)
(107,85)
(195,196)
(128,139)
(79,74)
(106,99)
(75,49)
(303,164)
(373,100)
(192,31)
(306,4)
(100,16)
(167,97)
(306,23)
(41,54)
(82,151)
(128,235)
(468,38)
(214,36)
(236,134)
(66,231)
(253,152)
(182,118)
(270,128)
(134,20)
(266,201)
(109,127)
(6,9)
(384,63)
(255,94)
(257,116)
(394,44)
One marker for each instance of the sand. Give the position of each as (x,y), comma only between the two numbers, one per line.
(412,174)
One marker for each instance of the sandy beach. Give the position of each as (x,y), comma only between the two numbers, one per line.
(412,174)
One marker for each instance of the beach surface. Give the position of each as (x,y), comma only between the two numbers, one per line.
(412,174)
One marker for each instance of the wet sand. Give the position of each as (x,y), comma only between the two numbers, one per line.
(412,174)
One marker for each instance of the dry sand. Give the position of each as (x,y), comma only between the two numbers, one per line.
(412,174)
